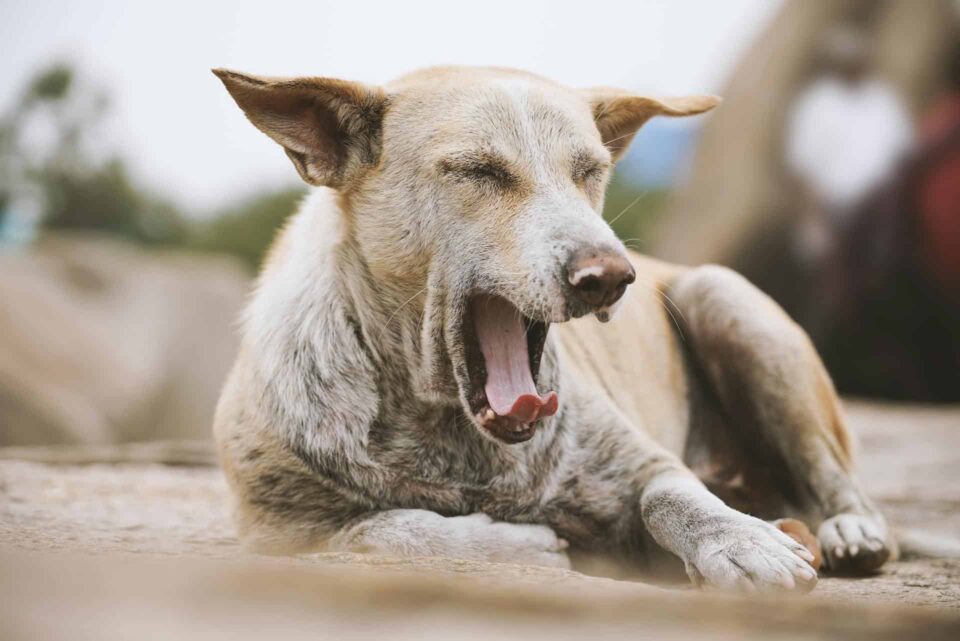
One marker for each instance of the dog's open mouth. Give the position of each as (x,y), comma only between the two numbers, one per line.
(503,351)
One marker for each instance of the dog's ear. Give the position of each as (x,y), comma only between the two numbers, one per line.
(329,128)
(619,114)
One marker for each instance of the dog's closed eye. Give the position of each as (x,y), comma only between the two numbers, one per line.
(484,170)
(489,172)
(586,169)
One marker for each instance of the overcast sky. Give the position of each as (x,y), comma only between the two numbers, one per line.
(183,135)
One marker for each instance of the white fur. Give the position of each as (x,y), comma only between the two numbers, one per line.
(722,548)
(476,536)
(583,272)
(297,301)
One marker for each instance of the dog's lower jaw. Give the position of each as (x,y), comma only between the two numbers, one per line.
(503,428)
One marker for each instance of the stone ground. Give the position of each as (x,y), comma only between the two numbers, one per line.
(146,550)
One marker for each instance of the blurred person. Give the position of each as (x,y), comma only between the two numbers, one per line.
(19,220)
(15,230)
(844,134)
(895,305)
(938,189)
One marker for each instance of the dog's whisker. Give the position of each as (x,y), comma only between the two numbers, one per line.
(632,241)
(386,325)
(612,140)
(672,317)
(666,302)
(627,208)
(606,105)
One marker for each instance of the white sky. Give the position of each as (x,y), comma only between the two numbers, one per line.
(184,136)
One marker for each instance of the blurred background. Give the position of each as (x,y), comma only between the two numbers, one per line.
(136,202)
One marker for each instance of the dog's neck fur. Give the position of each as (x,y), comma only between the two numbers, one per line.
(325,338)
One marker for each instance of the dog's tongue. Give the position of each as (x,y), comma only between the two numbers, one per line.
(503,341)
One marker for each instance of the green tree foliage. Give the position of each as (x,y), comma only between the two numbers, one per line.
(68,187)
(247,228)
(51,84)
(632,212)
(63,180)
(103,198)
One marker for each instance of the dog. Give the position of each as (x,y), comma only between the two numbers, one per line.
(412,381)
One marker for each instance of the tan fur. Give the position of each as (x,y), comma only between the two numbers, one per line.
(642,338)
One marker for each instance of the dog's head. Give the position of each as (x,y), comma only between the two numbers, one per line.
(483,188)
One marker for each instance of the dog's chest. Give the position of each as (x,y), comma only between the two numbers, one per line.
(443,448)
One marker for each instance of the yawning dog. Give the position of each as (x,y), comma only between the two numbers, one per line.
(411,380)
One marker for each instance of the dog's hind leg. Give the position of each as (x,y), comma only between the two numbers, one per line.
(477,536)
(779,404)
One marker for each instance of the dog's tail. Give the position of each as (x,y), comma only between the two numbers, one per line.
(923,545)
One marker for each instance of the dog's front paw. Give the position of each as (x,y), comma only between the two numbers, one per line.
(513,542)
(742,553)
(524,544)
(853,543)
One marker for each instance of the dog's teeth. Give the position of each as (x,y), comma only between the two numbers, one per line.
(489,415)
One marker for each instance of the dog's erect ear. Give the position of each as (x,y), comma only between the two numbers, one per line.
(329,128)
(619,114)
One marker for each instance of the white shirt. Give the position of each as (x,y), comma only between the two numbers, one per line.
(844,139)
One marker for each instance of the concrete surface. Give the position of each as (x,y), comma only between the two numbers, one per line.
(136,550)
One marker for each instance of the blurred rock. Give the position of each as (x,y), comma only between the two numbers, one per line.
(107,342)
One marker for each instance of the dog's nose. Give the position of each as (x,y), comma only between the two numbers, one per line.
(599,279)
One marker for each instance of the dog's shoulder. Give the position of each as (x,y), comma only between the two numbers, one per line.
(310,368)
(298,281)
